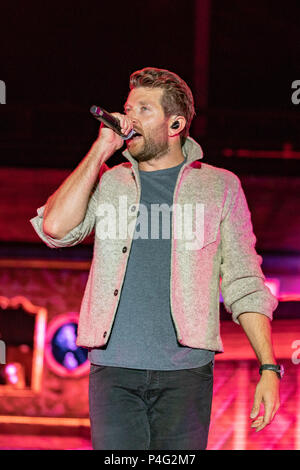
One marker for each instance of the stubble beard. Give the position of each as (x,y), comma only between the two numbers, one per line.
(153,149)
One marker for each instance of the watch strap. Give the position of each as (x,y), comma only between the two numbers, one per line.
(273,367)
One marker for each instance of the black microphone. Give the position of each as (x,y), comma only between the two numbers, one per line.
(110,121)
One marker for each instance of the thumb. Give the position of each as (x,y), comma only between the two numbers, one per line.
(255,407)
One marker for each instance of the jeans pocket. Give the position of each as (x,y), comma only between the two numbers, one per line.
(203,371)
(94,368)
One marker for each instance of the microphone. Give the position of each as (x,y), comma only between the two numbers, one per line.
(110,121)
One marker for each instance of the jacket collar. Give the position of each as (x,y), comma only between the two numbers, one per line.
(191,150)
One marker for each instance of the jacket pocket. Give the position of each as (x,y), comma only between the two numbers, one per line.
(200,235)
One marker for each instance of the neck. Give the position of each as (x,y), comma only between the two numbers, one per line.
(170,159)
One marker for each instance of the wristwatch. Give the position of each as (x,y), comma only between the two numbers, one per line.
(279,369)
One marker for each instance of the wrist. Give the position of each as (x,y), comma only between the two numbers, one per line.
(99,153)
(271,368)
(270,373)
(104,148)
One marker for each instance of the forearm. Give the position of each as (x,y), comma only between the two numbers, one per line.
(66,208)
(258,330)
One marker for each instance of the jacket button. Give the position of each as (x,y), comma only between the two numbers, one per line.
(116,292)
(124,249)
(104,334)
(133,208)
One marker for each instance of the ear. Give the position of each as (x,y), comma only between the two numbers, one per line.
(180,123)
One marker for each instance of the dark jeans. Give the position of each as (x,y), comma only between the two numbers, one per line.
(134,409)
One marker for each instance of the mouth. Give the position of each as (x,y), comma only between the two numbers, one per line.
(135,137)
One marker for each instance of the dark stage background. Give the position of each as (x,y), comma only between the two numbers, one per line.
(58,58)
(240,59)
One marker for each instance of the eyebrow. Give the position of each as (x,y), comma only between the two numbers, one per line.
(126,105)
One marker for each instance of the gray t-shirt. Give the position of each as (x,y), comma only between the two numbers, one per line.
(143,335)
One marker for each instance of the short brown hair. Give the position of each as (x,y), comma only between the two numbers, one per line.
(177,97)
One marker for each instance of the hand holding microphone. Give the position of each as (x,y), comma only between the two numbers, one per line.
(115,128)
(114,121)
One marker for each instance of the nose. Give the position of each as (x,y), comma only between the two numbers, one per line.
(131,114)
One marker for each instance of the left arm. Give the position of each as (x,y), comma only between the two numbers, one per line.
(246,296)
(258,330)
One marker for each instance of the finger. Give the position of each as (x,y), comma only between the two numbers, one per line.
(259,428)
(257,421)
(125,124)
(275,411)
(267,417)
(123,121)
(256,406)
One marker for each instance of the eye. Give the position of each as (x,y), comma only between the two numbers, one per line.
(144,108)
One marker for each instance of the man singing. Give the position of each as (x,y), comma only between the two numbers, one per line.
(167,227)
